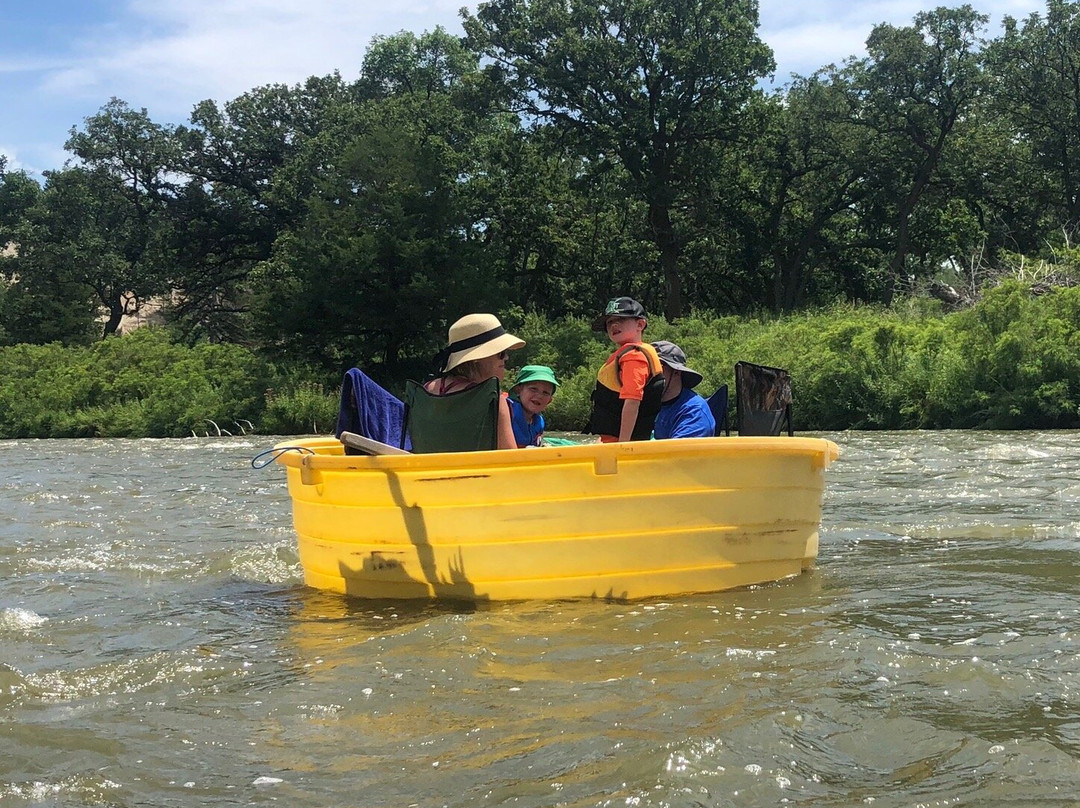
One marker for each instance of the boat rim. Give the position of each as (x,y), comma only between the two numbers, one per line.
(822,450)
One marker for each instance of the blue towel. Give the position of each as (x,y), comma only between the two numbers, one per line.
(369,410)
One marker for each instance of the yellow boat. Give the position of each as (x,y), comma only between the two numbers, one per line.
(617,521)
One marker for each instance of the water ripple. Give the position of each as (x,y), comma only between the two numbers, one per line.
(159,648)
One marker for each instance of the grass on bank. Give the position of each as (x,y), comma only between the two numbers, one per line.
(1012,361)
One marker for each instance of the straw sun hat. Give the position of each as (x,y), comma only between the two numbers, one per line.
(475,336)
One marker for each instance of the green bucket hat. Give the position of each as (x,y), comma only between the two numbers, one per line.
(536,373)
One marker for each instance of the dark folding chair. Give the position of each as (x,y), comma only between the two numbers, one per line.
(762,399)
(465,421)
(718,405)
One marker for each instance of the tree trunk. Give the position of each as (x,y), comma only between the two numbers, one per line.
(899,259)
(116,313)
(907,208)
(664,236)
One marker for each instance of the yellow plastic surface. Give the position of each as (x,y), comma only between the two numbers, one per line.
(621,521)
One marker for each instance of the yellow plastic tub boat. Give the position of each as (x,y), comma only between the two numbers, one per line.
(620,521)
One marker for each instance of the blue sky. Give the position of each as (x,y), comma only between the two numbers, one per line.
(61,60)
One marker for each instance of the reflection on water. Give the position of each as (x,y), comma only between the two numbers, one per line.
(157,647)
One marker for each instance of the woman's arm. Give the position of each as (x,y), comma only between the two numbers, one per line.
(504,429)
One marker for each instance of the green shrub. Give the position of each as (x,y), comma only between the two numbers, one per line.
(303,409)
(139,385)
(1011,361)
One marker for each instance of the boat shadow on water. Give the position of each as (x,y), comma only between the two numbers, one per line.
(453,585)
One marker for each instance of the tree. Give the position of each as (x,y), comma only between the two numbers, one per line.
(388,242)
(566,230)
(1015,201)
(648,83)
(1037,67)
(126,144)
(917,84)
(18,194)
(117,205)
(403,64)
(792,199)
(81,246)
(251,164)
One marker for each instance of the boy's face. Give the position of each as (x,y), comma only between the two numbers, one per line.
(623,330)
(535,396)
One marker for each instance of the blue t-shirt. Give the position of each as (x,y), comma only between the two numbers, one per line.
(685,416)
(525,434)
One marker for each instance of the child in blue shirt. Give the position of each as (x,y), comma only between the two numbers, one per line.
(683,413)
(530,396)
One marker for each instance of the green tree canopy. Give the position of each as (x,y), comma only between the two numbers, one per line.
(1037,65)
(648,83)
(917,85)
(81,247)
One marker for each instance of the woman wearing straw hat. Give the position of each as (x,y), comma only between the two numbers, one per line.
(477,351)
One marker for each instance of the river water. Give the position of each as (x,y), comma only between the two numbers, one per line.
(157,648)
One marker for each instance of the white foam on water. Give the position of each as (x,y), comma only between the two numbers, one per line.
(1013,451)
(21,620)
(38,791)
(269,563)
(203,443)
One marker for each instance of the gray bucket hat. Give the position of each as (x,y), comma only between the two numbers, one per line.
(672,356)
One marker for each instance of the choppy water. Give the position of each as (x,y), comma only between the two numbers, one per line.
(157,648)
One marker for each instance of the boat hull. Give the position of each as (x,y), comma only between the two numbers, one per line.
(618,521)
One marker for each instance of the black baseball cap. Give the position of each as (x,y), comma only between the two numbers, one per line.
(618,307)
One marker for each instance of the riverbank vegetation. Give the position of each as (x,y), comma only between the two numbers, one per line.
(1010,361)
(859,226)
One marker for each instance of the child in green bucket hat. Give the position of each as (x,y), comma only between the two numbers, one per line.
(531,394)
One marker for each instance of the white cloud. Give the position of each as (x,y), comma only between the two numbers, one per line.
(54,157)
(170,55)
(13,163)
(799,49)
(809,35)
(30,64)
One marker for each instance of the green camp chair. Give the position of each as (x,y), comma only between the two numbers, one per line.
(458,422)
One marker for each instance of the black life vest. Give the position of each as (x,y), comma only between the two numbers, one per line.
(606,415)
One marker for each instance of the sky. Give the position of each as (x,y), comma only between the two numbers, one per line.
(62,60)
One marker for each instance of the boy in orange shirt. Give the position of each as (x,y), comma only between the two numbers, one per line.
(630,385)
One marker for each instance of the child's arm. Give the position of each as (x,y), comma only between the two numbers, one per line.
(635,373)
(630,409)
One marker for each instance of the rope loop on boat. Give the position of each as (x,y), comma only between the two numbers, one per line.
(275,453)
